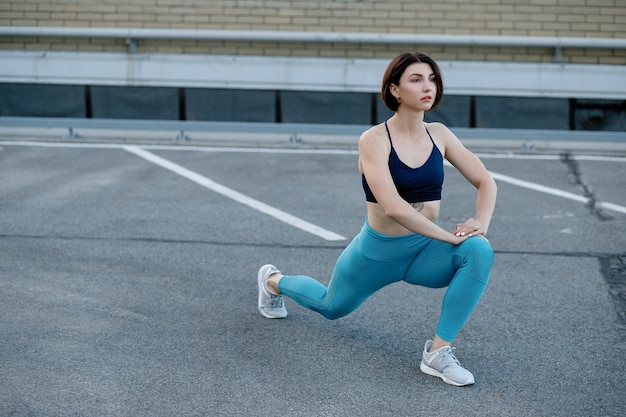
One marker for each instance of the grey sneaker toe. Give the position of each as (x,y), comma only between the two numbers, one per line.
(443,364)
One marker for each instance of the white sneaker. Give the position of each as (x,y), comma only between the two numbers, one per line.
(271,305)
(443,364)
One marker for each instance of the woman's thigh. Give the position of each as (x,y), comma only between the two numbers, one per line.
(436,265)
(363,274)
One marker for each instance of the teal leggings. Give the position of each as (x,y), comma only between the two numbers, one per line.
(373,260)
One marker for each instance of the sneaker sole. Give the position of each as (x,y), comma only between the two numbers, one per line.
(431,371)
(268,316)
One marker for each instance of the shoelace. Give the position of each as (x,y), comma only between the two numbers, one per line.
(448,356)
(277,301)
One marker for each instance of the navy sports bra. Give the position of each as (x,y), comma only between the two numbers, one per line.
(413,184)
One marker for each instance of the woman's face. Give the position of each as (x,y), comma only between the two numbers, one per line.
(417,88)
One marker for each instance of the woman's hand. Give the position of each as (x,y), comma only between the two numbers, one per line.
(470,227)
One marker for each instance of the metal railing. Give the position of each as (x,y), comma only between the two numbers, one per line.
(75,128)
(131,35)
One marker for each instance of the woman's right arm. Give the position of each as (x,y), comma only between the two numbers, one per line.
(374,164)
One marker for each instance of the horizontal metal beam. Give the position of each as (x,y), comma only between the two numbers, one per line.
(294,130)
(177,125)
(515,79)
(314,37)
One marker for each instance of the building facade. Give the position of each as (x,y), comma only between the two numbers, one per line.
(553,64)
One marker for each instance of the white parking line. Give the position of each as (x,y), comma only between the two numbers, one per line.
(278,214)
(538,187)
(232,194)
(556,192)
(553,191)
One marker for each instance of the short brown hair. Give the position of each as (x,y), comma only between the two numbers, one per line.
(396,68)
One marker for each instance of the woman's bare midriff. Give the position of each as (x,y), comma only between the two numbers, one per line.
(383,224)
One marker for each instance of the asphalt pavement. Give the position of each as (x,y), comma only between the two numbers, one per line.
(128,283)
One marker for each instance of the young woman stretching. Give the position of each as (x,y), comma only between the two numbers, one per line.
(401,162)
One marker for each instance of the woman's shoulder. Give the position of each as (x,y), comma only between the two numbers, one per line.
(437,127)
(374,135)
(441,134)
(375,131)
(374,141)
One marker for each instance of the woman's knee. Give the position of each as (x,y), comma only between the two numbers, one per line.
(479,247)
(479,258)
(336,310)
(332,314)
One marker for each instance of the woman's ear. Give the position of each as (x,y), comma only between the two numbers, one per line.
(393,89)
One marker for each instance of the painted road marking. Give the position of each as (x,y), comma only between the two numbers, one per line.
(234,195)
(556,192)
(500,177)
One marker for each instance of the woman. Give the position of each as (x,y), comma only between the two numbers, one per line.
(401,162)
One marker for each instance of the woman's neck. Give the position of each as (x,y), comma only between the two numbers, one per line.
(412,124)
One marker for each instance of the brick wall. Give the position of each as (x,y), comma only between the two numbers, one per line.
(563,18)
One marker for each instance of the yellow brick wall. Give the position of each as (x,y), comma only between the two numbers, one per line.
(563,18)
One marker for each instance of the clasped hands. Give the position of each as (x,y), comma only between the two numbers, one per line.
(470,227)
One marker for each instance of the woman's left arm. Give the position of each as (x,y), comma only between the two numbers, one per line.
(475,172)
